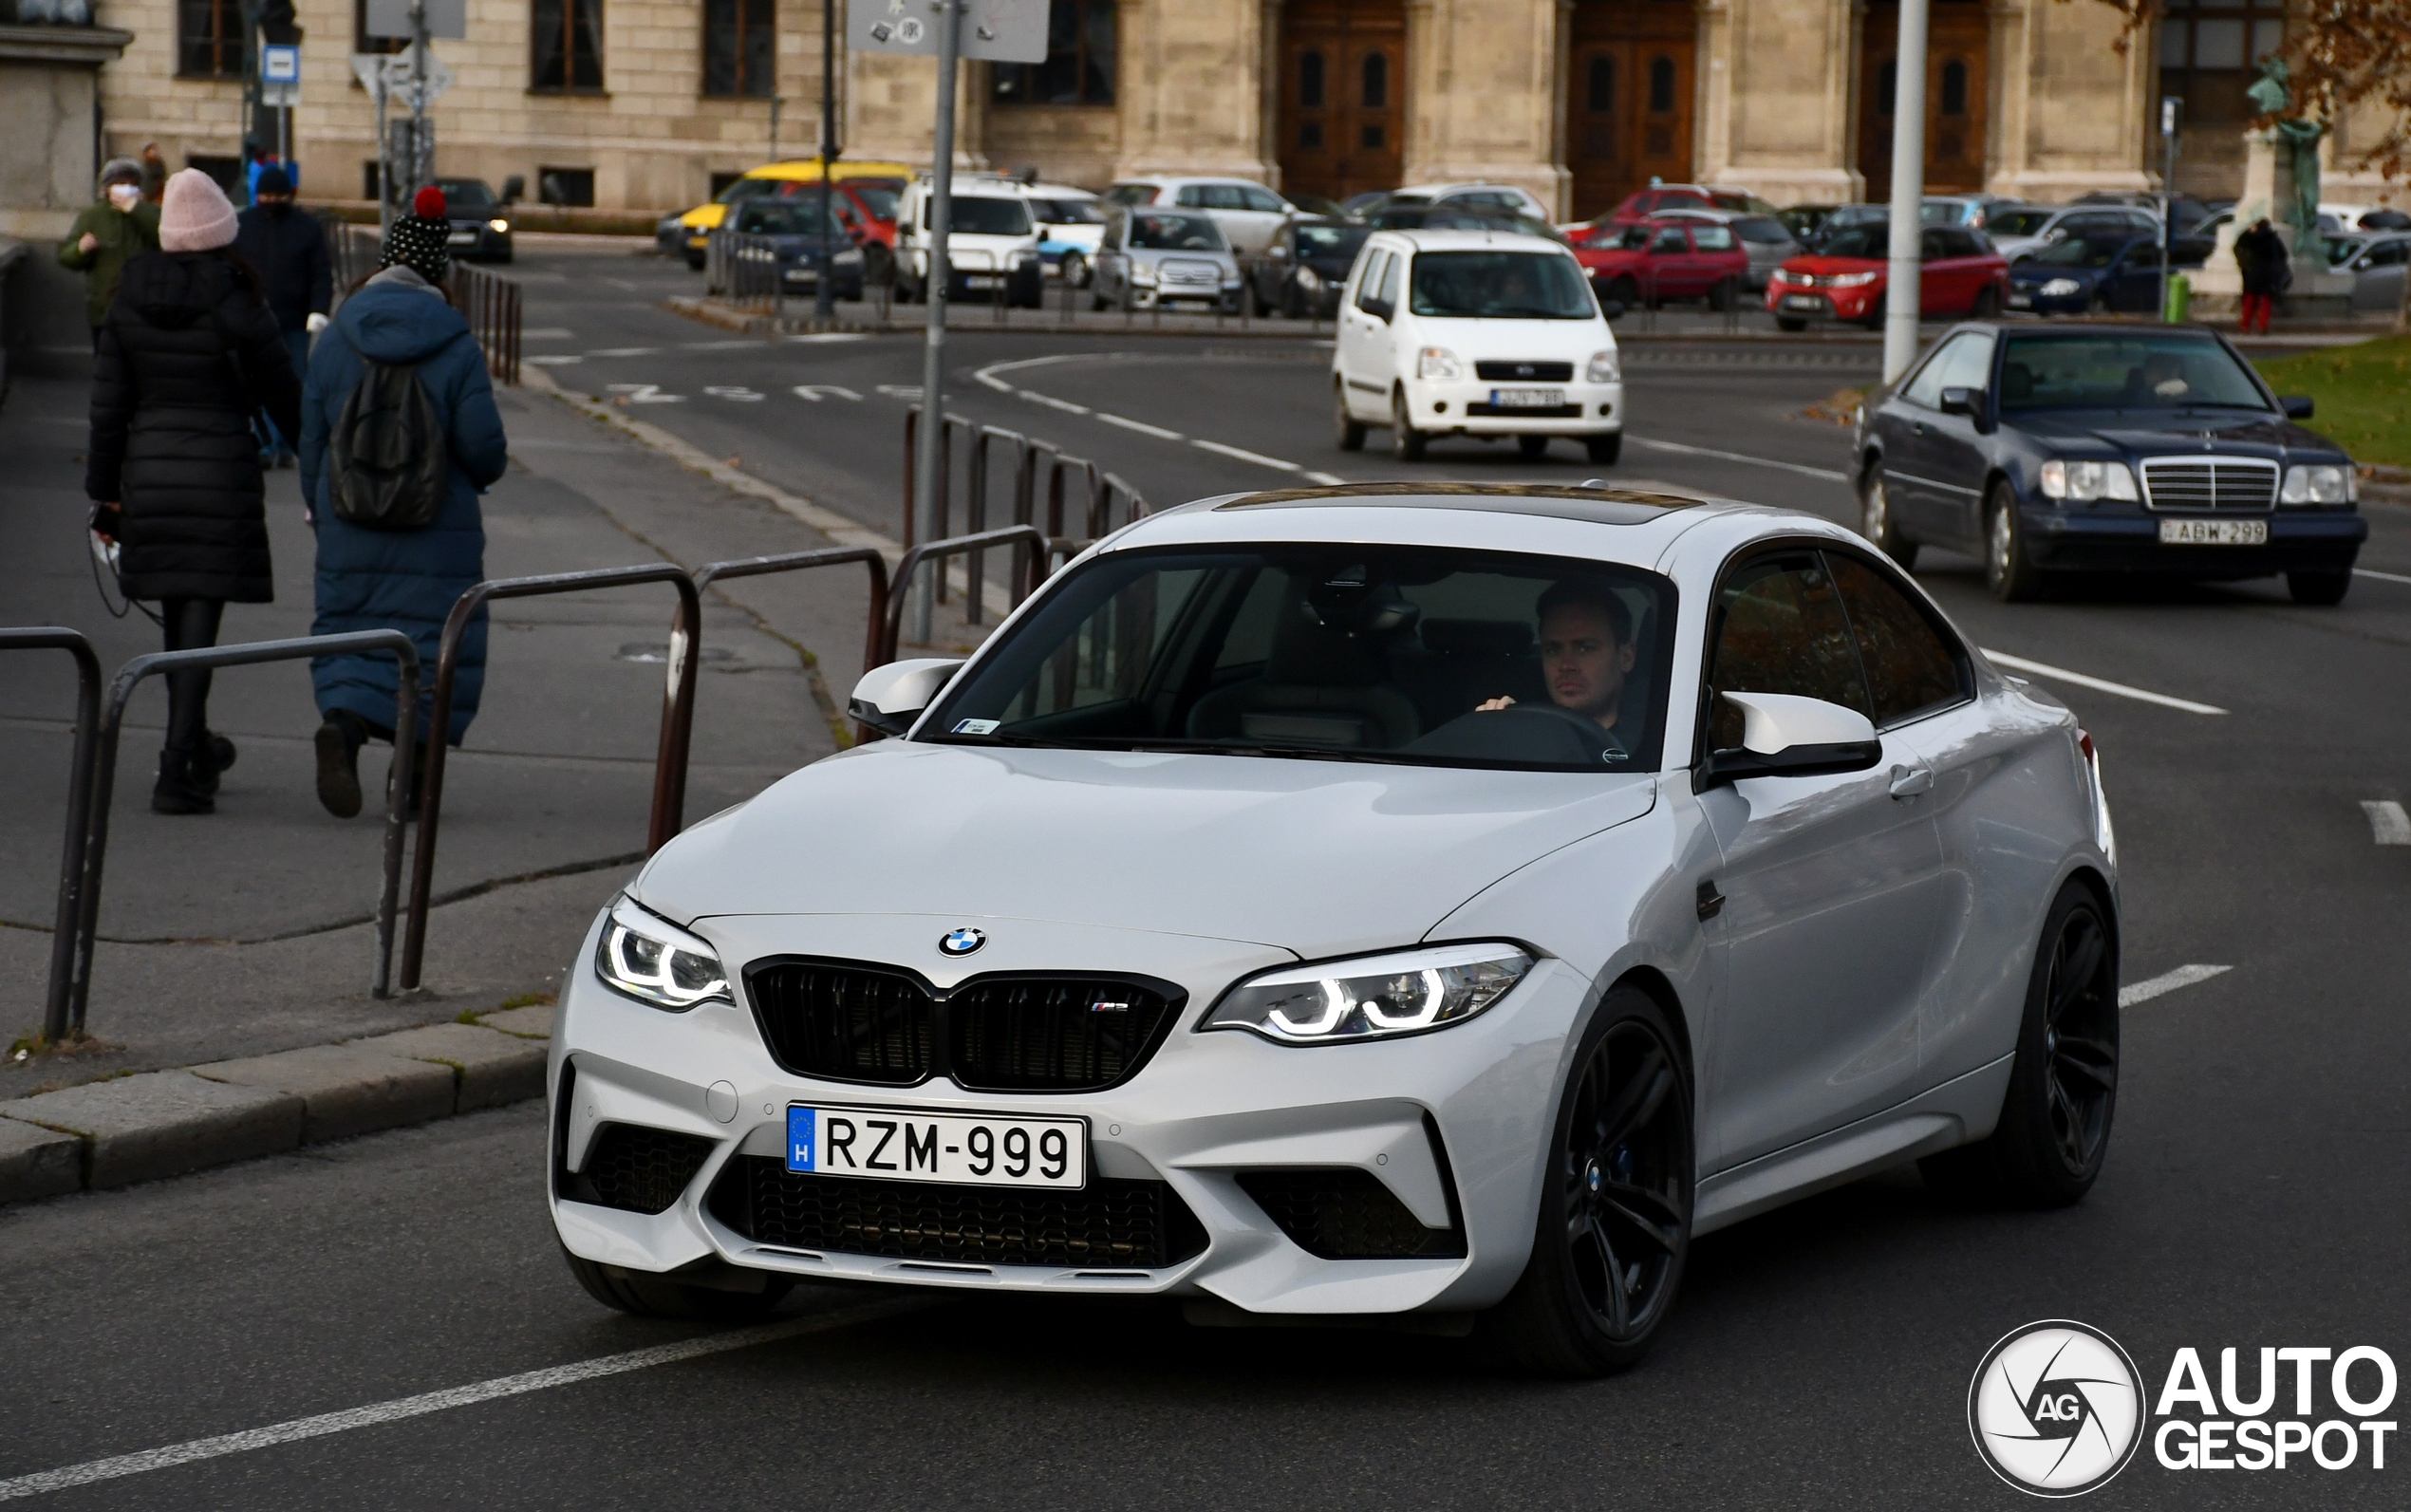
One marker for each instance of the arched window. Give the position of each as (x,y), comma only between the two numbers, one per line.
(1661,86)
(1601,92)
(1376,95)
(1310,79)
(1954,87)
(1887,87)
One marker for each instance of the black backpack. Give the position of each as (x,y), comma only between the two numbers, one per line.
(390,469)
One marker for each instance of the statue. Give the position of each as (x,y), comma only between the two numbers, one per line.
(2299,138)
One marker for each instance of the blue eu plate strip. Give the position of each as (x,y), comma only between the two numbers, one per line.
(802,1139)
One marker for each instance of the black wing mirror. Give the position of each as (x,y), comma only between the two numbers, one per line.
(514,188)
(1783,735)
(1967,401)
(2297,407)
(1380,310)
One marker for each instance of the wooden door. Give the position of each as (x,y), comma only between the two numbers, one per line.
(1958,55)
(1343,83)
(1628,109)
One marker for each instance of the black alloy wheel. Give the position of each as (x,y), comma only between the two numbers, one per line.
(1604,451)
(1616,1206)
(1626,292)
(1721,295)
(1988,303)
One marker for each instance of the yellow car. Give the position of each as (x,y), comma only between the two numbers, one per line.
(866,194)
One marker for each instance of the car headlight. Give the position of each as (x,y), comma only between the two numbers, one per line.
(1309,280)
(2087,480)
(498,225)
(657,962)
(1781,275)
(1852,280)
(1142,274)
(1438,362)
(2319,484)
(850,257)
(2061,288)
(1603,368)
(1373,997)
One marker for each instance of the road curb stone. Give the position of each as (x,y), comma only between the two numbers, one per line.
(345,1088)
(493,1067)
(37,1162)
(164,1123)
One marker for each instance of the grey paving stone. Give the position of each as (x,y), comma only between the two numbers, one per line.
(164,1123)
(37,1162)
(532,1023)
(494,1068)
(345,1089)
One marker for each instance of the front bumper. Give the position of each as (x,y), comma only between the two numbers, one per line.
(1791,301)
(468,244)
(1463,407)
(1449,1124)
(2125,538)
(1172,296)
(2030,298)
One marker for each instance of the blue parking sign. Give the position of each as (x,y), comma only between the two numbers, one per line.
(801,1139)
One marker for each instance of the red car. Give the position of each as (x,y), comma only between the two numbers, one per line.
(1660,260)
(1843,279)
(1658,198)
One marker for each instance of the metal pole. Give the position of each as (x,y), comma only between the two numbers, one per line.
(1902,284)
(2167,196)
(422,162)
(384,160)
(775,103)
(931,476)
(824,298)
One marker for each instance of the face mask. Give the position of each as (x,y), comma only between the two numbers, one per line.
(125,196)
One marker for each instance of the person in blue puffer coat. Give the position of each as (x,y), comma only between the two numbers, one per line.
(406,580)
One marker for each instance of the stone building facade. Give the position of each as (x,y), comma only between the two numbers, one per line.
(648,103)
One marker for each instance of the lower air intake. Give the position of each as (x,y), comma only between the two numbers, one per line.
(637,1170)
(1346,1213)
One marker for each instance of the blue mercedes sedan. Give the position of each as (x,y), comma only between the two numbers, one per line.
(2089,275)
(2105,449)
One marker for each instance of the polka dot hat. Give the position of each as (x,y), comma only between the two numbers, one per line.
(419,241)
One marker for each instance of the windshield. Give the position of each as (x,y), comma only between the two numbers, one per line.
(984,215)
(2143,371)
(1066,212)
(1500,286)
(1331,241)
(2075,254)
(1159,232)
(465,193)
(1742,203)
(787,219)
(1763,229)
(2016,222)
(1872,239)
(1345,652)
(879,198)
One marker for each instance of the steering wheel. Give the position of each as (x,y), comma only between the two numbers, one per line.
(1598,743)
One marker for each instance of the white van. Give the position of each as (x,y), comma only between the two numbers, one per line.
(1474,333)
(992,243)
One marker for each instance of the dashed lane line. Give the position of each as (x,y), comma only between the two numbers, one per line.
(2388,824)
(2167,981)
(1681,448)
(376,1414)
(2061,674)
(1140,426)
(2382,577)
(1244,454)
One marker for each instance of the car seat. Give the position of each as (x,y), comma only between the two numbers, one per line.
(1326,681)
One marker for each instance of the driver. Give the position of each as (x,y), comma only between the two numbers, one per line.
(1586,654)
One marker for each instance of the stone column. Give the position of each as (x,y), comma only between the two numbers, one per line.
(1783,109)
(2006,98)
(1194,90)
(2080,105)
(1485,94)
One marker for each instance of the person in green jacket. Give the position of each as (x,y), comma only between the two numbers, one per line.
(105,236)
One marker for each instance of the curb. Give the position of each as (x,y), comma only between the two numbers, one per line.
(113,1133)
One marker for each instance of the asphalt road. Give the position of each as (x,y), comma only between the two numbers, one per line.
(2255,1194)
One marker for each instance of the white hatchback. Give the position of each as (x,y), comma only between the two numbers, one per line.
(1474,333)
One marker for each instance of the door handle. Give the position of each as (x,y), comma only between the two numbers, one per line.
(1917,428)
(1711,903)
(1907,782)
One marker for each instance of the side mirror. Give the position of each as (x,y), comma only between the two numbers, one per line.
(1276,251)
(889,699)
(514,188)
(2297,407)
(1967,401)
(1783,735)
(1380,310)
(1610,309)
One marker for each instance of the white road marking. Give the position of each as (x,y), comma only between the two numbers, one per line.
(2062,674)
(743,395)
(1141,426)
(547,333)
(2382,577)
(644,394)
(2135,992)
(553,362)
(819,337)
(816,392)
(193,1451)
(908,392)
(1053,402)
(2388,824)
(1245,455)
(1831,474)
(625,351)
(715,346)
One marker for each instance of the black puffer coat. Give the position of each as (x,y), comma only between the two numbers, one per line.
(172,436)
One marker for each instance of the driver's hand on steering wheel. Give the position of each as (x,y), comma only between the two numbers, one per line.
(1493,705)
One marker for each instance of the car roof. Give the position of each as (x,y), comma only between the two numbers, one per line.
(1420,240)
(809,169)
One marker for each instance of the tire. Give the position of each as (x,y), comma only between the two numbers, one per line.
(1406,443)
(1347,432)
(649,1295)
(2321,588)
(878,263)
(1626,292)
(2008,572)
(1534,447)
(1613,1225)
(1604,450)
(1720,295)
(694,262)
(1097,299)
(1790,322)
(1873,319)
(1988,303)
(1877,524)
(2055,1119)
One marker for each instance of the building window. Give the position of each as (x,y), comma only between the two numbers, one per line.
(565,186)
(1376,83)
(1079,60)
(1310,79)
(741,47)
(2210,52)
(567,37)
(210,40)
(1600,95)
(1954,87)
(1661,86)
(1887,87)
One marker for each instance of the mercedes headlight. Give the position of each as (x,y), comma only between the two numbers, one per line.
(1603,368)
(2087,480)
(2319,484)
(1438,362)
(657,962)
(2061,288)
(1374,996)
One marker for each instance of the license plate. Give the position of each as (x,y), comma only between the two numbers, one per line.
(981,280)
(2021,301)
(1526,398)
(1802,302)
(2213,533)
(462,238)
(965,1149)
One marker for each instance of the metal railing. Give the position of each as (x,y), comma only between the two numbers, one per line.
(745,271)
(669,765)
(489,302)
(63,1003)
(103,778)
(1035,550)
(790,561)
(1037,467)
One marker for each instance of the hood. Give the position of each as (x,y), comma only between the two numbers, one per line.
(1821,264)
(2030,272)
(1317,857)
(393,322)
(2163,433)
(172,290)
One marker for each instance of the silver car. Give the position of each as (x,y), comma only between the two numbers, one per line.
(2376,263)
(1767,240)
(1164,258)
(1436,903)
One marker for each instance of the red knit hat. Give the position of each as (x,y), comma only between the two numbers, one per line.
(428,202)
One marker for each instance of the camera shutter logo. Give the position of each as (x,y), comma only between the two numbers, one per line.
(2056,1409)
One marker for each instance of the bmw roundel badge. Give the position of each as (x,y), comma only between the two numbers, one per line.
(961,942)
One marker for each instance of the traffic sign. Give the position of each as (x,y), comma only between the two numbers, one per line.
(399,82)
(391,18)
(996,30)
(279,65)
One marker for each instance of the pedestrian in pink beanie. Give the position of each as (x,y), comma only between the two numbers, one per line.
(195,214)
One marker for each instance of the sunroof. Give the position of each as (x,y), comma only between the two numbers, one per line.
(1564,501)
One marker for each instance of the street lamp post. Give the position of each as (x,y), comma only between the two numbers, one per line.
(824,294)
(1903,280)
(929,482)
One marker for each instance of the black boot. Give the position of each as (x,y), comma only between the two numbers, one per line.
(339,740)
(213,757)
(179,789)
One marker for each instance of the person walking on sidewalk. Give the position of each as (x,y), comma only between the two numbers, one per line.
(108,235)
(2267,268)
(187,352)
(287,247)
(400,434)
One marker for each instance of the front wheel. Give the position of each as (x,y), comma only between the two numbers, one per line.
(1877,524)
(1347,432)
(1790,322)
(1405,442)
(645,1294)
(1988,303)
(1604,450)
(1616,1202)
(1534,447)
(2008,572)
(2320,588)
(1720,296)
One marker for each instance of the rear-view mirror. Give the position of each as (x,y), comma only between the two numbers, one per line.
(889,699)
(1967,401)
(514,188)
(1784,734)
(1610,309)
(1380,310)
(2297,407)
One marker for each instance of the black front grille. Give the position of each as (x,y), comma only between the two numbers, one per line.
(1346,1213)
(637,1170)
(1523,372)
(847,1022)
(1527,411)
(1112,1225)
